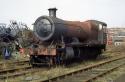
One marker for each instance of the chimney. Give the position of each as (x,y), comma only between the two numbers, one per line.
(52,12)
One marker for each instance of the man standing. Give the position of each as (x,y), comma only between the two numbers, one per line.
(6,53)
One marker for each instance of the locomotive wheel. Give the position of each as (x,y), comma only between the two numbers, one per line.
(69,53)
(50,62)
(61,59)
(96,52)
(89,53)
(32,61)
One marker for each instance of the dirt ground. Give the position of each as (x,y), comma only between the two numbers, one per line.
(110,52)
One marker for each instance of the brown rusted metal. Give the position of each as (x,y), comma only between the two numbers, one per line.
(82,30)
(43,51)
(85,31)
(46,51)
(57,35)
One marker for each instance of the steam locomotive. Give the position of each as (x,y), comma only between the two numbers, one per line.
(60,41)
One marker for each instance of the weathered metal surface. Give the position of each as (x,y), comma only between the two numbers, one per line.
(81,30)
(42,51)
(53,32)
(50,28)
(52,12)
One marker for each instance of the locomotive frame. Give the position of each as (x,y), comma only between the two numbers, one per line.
(60,42)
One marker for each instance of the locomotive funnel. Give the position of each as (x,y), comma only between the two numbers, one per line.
(52,12)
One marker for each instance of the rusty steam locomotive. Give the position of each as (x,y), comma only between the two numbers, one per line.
(60,41)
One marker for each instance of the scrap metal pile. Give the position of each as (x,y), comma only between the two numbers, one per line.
(13,36)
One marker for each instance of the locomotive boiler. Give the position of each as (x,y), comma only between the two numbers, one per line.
(60,41)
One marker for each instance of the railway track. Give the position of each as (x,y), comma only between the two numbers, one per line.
(88,73)
(9,69)
(20,70)
(11,72)
(19,73)
(12,64)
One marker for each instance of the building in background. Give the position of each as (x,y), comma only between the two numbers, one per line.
(116,36)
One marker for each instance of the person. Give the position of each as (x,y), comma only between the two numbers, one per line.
(22,52)
(17,46)
(6,53)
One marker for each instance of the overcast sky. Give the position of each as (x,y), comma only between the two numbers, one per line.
(110,11)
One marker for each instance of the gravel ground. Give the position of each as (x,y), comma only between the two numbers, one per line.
(112,76)
(111,51)
(51,72)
